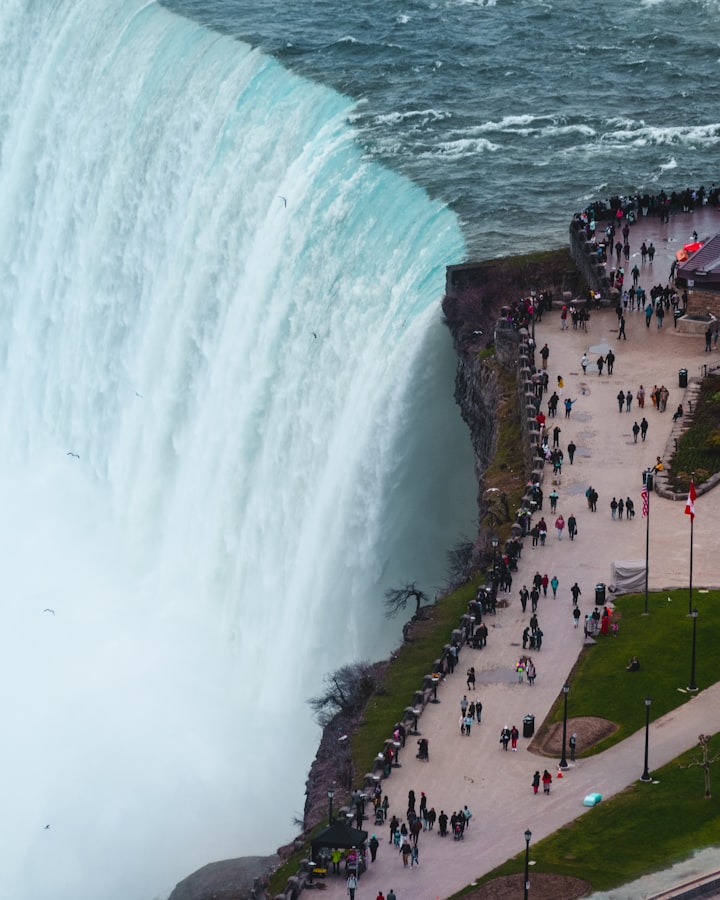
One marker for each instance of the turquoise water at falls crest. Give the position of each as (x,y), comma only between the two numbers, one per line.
(229,317)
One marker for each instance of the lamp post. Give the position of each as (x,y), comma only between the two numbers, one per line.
(331,797)
(692,686)
(563,761)
(647,488)
(646,773)
(494,543)
(528,835)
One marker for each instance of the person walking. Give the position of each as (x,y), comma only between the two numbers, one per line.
(613,508)
(505,737)
(621,508)
(628,401)
(536,782)
(554,585)
(569,406)
(629,508)
(351,885)
(572,526)
(571,448)
(545,582)
(471,678)
(560,525)
(635,431)
(610,361)
(530,672)
(576,592)
(514,735)
(546,781)
(478,710)
(584,363)
(643,428)
(576,615)
(621,331)
(600,363)
(544,353)
(621,400)
(553,497)
(640,394)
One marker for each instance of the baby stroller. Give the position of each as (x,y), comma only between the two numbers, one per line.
(379,816)
(458,832)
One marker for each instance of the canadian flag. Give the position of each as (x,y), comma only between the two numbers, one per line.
(690,505)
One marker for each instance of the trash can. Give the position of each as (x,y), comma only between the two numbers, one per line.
(528,726)
(682,378)
(600,594)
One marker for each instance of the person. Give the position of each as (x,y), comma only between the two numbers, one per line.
(634,665)
(380,896)
(391,895)
(613,507)
(464,705)
(560,525)
(584,363)
(628,401)
(545,582)
(678,414)
(336,856)
(643,428)
(640,394)
(351,885)
(544,353)
(708,339)
(535,782)
(373,844)
(600,364)
(610,361)
(621,330)
(576,592)
(635,431)
(443,823)
(569,406)
(471,678)
(629,508)
(531,672)
(554,585)
(621,400)
(658,467)
(478,710)
(573,745)
(620,508)
(505,737)
(576,615)
(514,735)
(546,781)
(553,496)
(571,448)
(414,856)
(572,527)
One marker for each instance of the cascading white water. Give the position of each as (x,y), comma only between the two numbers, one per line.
(231,318)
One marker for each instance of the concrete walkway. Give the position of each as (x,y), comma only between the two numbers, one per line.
(474,770)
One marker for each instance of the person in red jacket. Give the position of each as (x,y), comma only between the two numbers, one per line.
(547,781)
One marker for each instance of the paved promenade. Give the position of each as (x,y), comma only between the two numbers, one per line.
(474,770)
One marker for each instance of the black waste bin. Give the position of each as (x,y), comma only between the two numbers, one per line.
(682,378)
(528,726)
(600,594)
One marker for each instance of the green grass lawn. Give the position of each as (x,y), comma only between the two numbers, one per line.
(662,640)
(646,828)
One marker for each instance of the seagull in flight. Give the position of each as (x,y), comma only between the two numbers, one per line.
(284,199)
(47,609)
(70,453)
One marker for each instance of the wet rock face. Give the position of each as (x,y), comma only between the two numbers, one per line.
(230,879)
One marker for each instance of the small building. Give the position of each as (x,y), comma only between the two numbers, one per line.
(700,274)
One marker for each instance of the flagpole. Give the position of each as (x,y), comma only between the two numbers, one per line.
(647,486)
(691,500)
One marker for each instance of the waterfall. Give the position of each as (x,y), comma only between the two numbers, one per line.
(226,426)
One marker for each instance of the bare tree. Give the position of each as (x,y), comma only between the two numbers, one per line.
(344,692)
(397,599)
(461,562)
(705,762)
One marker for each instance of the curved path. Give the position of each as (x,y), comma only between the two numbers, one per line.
(474,769)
